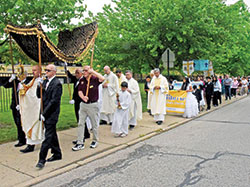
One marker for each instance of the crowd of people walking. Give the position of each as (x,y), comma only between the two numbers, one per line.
(110,99)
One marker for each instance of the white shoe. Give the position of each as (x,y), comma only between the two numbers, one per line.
(117,135)
(93,144)
(78,147)
(123,135)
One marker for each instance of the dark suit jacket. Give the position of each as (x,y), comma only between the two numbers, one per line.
(8,84)
(197,94)
(74,80)
(51,100)
(209,88)
(146,87)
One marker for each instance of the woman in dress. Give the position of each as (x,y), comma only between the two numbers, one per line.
(191,109)
(202,102)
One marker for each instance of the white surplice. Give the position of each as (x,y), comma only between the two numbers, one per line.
(30,112)
(120,122)
(158,97)
(109,97)
(135,109)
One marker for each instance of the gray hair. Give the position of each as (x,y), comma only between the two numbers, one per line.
(129,71)
(79,70)
(156,70)
(53,67)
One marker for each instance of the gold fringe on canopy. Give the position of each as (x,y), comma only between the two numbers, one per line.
(72,46)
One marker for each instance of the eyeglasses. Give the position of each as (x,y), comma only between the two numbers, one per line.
(48,70)
(85,70)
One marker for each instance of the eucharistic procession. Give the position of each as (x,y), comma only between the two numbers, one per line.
(76,90)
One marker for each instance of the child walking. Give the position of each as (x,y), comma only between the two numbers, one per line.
(121,115)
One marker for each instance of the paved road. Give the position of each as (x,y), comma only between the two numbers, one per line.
(213,150)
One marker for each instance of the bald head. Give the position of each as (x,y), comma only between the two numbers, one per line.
(36,71)
(106,70)
(85,71)
(50,70)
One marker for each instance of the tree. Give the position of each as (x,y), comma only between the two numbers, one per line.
(53,14)
(135,33)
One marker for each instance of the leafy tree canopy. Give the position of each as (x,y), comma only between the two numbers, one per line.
(134,34)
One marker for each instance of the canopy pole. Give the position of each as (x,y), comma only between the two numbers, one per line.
(91,65)
(40,65)
(13,70)
(70,95)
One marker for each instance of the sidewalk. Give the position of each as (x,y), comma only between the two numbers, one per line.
(18,169)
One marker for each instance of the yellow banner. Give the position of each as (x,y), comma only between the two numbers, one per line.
(176,101)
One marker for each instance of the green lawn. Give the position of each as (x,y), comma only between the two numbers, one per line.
(66,119)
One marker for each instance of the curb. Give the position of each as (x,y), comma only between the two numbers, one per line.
(114,149)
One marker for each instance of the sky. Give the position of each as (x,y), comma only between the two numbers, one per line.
(95,6)
(233,1)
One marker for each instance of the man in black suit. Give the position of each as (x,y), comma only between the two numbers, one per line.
(197,94)
(52,92)
(76,100)
(15,106)
(209,91)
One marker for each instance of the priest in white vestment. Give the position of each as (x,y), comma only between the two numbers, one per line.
(158,90)
(110,88)
(120,122)
(30,112)
(135,110)
(121,77)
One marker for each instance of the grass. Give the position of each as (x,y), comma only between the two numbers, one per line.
(66,120)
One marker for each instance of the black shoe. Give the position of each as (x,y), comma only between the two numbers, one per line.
(131,127)
(207,109)
(40,165)
(102,122)
(75,141)
(19,144)
(110,123)
(29,148)
(54,158)
(159,122)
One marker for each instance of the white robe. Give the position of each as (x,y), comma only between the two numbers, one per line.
(120,122)
(135,110)
(109,94)
(120,80)
(30,112)
(158,97)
